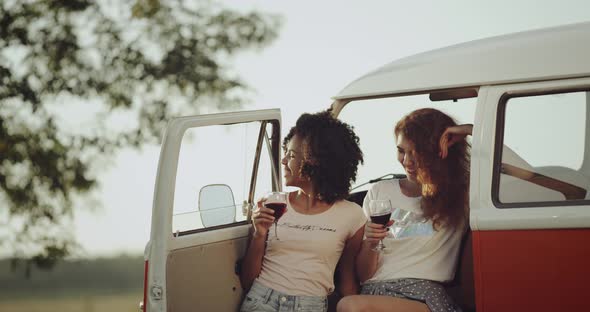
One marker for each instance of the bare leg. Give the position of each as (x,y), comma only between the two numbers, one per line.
(370,303)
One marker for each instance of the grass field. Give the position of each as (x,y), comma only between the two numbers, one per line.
(125,302)
(84,285)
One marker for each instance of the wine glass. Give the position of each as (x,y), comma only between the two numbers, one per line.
(276,201)
(402,218)
(380,213)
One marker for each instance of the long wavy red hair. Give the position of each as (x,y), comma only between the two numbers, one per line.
(445,182)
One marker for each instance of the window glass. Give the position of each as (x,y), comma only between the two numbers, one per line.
(542,154)
(374,121)
(214,172)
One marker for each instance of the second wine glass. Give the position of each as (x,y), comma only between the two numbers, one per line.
(380,213)
(401,219)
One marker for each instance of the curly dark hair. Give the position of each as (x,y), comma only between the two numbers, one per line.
(445,182)
(331,154)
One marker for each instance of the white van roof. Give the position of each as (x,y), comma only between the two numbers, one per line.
(551,53)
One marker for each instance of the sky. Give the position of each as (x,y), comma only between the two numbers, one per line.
(322,46)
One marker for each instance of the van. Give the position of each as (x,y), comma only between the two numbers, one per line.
(528,246)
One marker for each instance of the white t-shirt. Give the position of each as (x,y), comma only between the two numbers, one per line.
(420,251)
(303,261)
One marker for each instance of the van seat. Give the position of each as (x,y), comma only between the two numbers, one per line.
(358,197)
(462,287)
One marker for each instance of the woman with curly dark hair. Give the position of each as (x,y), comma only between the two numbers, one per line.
(407,276)
(320,228)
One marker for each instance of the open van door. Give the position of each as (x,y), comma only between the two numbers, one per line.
(212,168)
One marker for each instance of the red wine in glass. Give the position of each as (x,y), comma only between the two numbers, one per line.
(380,212)
(279,209)
(381,219)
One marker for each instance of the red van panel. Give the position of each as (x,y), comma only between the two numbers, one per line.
(532,270)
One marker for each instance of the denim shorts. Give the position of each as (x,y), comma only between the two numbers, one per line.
(261,298)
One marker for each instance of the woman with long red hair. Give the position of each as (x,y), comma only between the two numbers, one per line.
(407,274)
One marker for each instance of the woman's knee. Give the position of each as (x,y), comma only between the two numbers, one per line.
(350,304)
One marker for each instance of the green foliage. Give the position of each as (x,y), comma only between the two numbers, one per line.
(88,276)
(146,60)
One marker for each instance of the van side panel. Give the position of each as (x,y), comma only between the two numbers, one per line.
(532,270)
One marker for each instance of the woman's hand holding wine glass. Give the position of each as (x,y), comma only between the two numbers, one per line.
(374,233)
(402,218)
(269,210)
(376,230)
(262,219)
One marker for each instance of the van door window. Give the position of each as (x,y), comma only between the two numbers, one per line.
(214,175)
(540,150)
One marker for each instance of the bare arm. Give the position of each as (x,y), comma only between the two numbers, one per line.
(348,284)
(252,263)
(451,136)
(366,262)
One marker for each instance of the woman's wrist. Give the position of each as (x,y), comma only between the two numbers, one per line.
(258,236)
(469,128)
(369,244)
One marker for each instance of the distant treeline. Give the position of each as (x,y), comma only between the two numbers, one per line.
(74,277)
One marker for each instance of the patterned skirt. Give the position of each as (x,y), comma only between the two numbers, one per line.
(428,292)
